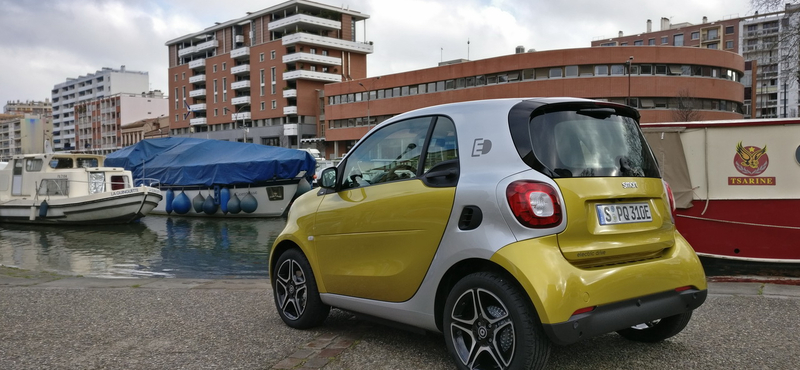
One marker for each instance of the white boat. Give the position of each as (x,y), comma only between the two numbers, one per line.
(65,188)
(213,178)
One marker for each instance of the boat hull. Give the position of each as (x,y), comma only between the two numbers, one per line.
(117,207)
(762,230)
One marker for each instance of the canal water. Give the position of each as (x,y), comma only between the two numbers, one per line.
(187,247)
(157,246)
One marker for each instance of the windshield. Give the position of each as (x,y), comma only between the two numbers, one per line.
(591,143)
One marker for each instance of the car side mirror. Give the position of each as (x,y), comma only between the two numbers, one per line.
(328,178)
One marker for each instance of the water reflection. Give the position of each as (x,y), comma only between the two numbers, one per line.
(156,246)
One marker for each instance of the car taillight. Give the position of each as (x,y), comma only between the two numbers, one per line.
(670,200)
(534,204)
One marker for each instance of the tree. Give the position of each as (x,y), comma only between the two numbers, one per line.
(687,107)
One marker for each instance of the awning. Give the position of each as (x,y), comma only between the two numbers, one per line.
(312,140)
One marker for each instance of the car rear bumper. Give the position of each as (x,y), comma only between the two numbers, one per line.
(624,314)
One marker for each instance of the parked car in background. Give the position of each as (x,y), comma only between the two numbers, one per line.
(507,225)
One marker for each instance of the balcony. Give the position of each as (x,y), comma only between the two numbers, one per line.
(240,53)
(326,42)
(312,58)
(186,51)
(290,129)
(312,75)
(290,110)
(208,45)
(241,70)
(290,93)
(197,64)
(304,21)
(197,93)
(197,78)
(240,100)
(198,107)
(239,38)
(240,85)
(241,116)
(198,121)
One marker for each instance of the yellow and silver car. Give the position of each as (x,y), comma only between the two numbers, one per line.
(507,225)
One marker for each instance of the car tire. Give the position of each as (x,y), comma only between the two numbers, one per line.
(295,291)
(657,331)
(489,323)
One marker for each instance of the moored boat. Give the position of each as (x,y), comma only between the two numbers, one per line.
(213,178)
(64,188)
(735,185)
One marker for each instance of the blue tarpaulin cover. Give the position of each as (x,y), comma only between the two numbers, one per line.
(194,162)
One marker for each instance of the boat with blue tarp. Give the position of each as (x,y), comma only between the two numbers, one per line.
(205,177)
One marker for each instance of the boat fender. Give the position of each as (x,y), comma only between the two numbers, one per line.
(209,205)
(181,205)
(197,202)
(224,197)
(170,198)
(249,203)
(43,209)
(234,205)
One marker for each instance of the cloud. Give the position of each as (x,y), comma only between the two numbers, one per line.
(47,41)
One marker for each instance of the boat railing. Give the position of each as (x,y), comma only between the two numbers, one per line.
(60,187)
(147,181)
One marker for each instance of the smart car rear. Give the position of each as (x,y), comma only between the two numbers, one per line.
(506,224)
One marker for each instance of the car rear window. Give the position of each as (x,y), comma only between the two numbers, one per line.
(592,142)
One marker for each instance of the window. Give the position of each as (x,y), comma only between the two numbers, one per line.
(645,69)
(274,104)
(261,57)
(261,82)
(272,55)
(183,76)
(677,40)
(601,70)
(729,30)
(392,153)
(651,42)
(638,43)
(224,89)
(263,106)
(696,35)
(224,65)
(443,145)
(449,84)
(273,76)
(176,77)
(661,69)
(728,44)
(618,69)
(664,40)
(34,165)
(555,72)
(713,46)
(215,68)
(713,34)
(312,51)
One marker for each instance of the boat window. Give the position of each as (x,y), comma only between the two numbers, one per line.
(61,163)
(54,187)
(87,162)
(33,165)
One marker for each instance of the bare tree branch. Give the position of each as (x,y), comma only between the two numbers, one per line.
(686,108)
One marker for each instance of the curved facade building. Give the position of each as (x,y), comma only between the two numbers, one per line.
(664,83)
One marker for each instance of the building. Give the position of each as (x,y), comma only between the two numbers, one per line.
(98,85)
(770,82)
(657,80)
(100,122)
(258,78)
(41,108)
(148,128)
(22,134)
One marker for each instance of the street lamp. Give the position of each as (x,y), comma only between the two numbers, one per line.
(244,129)
(629,79)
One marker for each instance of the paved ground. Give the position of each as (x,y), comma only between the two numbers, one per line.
(54,322)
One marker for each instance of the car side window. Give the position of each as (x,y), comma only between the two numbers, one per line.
(443,144)
(389,154)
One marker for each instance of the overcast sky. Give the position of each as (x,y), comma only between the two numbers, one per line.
(43,42)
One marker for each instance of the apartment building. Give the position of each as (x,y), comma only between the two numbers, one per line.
(770,80)
(100,123)
(651,79)
(22,134)
(43,108)
(259,78)
(74,91)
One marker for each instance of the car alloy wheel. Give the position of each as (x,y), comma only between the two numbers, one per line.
(295,290)
(489,325)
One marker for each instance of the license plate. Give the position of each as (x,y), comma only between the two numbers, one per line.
(624,213)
